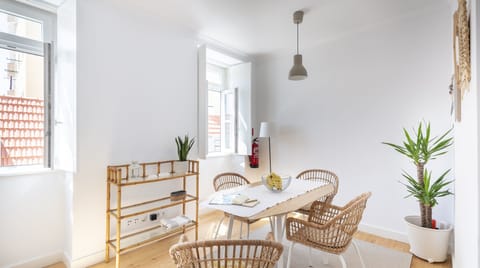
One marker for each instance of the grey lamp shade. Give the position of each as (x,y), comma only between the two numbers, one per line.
(298,71)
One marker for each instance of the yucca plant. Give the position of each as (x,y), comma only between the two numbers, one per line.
(184,146)
(421,148)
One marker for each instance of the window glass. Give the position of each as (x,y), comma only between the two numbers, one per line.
(215,76)
(20,26)
(21,109)
(214,122)
(220,111)
(228,120)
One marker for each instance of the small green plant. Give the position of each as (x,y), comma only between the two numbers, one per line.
(184,146)
(421,148)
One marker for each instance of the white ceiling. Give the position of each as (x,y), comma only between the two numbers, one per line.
(42,2)
(262,26)
(53,2)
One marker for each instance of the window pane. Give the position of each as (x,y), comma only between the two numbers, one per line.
(215,75)
(214,121)
(21,109)
(20,26)
(228,120)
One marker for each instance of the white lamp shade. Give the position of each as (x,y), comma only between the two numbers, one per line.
(265,129)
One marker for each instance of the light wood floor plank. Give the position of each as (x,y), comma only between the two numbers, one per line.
(156,254)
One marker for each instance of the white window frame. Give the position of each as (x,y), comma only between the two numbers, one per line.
(34,47)
(242,104)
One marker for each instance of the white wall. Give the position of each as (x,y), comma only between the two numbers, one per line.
(136,91)
(132,72)
(361,90)
(467,241)
(65,112)
(36,208)
(31,205)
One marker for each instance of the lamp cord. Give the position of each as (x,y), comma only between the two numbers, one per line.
(269,155)
(297,38)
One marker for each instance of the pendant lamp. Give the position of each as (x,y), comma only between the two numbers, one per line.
(298,71)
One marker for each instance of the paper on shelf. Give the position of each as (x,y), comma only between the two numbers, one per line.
(175,222)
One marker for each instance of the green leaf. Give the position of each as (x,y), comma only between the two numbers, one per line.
(184,146)
(427,193)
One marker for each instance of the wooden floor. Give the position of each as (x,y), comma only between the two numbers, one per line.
(156,254)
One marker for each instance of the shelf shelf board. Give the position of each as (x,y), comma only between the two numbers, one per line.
(150,206)
(160,177)
(149,235)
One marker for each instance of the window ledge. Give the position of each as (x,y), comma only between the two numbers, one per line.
(20,171)
(214,155)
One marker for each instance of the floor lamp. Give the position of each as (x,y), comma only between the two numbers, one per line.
(265,129)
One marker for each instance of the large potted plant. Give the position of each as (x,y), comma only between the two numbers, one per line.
(183,148)
(426,241)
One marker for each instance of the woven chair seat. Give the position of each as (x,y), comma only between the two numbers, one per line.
(317,236)
(227,254)
(329,228)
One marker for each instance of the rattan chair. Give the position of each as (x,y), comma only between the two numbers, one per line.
(320,175)
(226,254)
(226,181)
(329,228)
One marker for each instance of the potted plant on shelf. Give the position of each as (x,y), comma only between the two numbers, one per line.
(426,241)
(183,148)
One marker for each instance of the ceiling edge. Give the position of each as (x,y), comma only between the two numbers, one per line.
(41,5)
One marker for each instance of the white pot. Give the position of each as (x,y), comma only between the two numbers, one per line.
(180,167)
(426,243)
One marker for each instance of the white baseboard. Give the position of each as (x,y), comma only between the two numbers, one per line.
(386,233)
(40,261)
(67,260)
(89,260)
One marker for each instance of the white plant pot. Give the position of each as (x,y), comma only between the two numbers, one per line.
(426,243)
(180,167)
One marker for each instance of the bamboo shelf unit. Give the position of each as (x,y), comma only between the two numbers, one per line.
(151,172)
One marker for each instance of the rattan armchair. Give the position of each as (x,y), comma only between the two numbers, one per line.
(329,228)
(320,175)
(229,180)
(227,254)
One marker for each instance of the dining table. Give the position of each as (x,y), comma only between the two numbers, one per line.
(272,205)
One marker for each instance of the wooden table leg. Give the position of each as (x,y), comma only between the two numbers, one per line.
(230,227)
(279,227)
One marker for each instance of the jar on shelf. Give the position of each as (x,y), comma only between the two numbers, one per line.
(135,169)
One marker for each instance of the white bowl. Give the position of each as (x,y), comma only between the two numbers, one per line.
(285,183)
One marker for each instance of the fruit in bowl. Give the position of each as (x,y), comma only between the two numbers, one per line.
(276,183)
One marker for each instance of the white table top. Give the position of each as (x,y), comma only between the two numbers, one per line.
(297,195)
